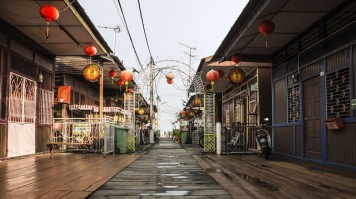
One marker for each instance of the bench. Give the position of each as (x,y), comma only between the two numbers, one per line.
(51,145)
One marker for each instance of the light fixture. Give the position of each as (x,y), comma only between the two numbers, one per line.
(40,78)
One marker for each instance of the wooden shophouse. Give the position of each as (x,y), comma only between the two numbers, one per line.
(29,52)
(312,52)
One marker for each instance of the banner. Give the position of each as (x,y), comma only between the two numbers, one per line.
(63,95)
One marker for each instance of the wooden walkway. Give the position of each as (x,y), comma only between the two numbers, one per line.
(248,176)
(62,175)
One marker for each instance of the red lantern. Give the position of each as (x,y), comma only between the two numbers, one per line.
(170,81)
(49,12)
(129,90)
(120,82)
(266,27)
(212,76)
(170,76)
(182,113)
(236,58)
(221,73)
(90,50)
(112,73)
(126,75)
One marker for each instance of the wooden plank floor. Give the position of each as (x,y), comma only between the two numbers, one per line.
(62,175)
(248,176)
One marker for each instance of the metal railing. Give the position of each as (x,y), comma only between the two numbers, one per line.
(94,135)
(240,138)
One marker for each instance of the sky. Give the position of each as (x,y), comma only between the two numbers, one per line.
(173,27)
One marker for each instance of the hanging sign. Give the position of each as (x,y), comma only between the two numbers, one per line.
(63,95)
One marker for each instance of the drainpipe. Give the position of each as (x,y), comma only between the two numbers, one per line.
(218,138)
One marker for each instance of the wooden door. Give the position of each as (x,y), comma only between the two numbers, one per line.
(312,120)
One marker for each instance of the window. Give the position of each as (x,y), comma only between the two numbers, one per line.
(338,94)
(45,112)
(293,104)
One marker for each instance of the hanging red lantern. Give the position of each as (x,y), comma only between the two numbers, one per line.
(120,82)
(182,112)
(265,28)
(129,90)
(90,50)
(236,58)
(170,76)
(126,75)
(170,81)
(212,76)
(112,73)
(49,13)
(221,73)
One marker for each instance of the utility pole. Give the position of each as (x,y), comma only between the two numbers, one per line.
(151,101)
(190,58)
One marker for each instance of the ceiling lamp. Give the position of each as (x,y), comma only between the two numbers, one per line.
(265,28)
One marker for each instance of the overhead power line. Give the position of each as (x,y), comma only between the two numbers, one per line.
(128,32)
(144,29)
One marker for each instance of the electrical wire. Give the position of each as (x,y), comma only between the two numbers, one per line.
(128,32)
(144,29)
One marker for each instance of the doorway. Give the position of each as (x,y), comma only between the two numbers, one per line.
(312,119)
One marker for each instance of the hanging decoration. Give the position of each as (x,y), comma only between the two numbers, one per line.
(236,58)
(221,73)
(236,76)
(170,81)
(49,13)
(265,28)
(196,102)
(129,90)
(141,111)
(91,72)
(120,82)
(90,50)
(170,75)
(112,73)
(212,76)
(126,76)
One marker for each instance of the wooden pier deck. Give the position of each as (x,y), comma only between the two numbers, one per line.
(61,175)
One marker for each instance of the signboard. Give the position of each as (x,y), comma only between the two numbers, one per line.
(63,95)
(110,109)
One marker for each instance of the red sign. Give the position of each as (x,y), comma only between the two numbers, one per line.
(63,94)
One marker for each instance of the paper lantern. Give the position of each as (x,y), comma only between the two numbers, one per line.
(129,90)
(236,58)
(265,28)
(212,76)
(170,81)
(141,111)
(182,113)
(120,82)
(126,75)
(170,76)
(90,50)
(49,12)
(196,101)
(221,73)
(112,73)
